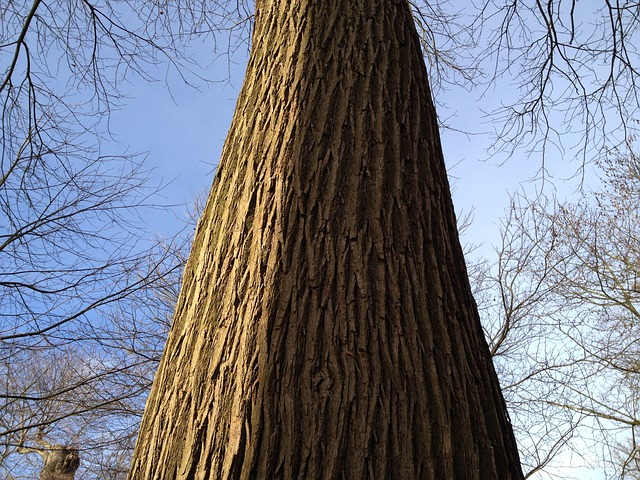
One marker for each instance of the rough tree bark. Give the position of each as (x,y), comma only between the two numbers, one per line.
(326,327)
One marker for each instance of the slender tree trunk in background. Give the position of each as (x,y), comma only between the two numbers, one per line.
(60,463)
(326,328)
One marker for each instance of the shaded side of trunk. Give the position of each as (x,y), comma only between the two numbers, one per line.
(326,327)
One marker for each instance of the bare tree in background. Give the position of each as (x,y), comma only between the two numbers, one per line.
(85,298)
(60,462)
(513,296)
(88,384)
(560,308)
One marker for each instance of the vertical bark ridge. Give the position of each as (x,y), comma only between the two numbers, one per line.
(325,327)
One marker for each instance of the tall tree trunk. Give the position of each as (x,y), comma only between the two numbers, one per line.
(326,328)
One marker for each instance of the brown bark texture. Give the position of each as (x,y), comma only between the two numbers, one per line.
(60,463)
(325,328)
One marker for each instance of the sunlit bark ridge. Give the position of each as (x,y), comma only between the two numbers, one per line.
(326,328)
